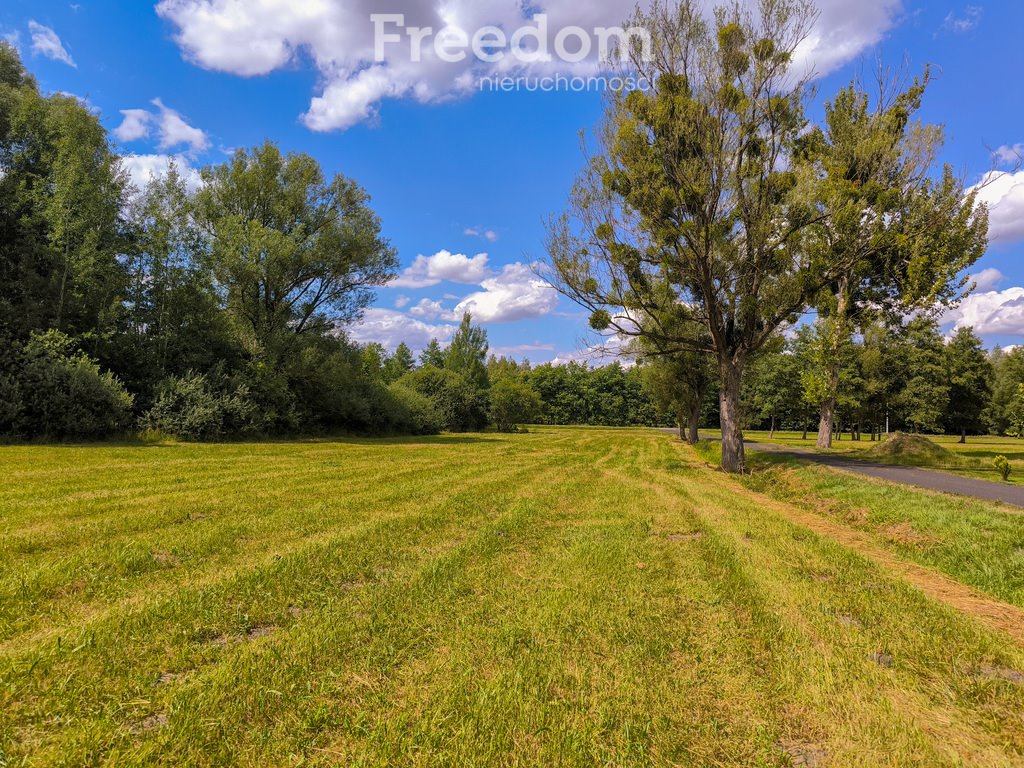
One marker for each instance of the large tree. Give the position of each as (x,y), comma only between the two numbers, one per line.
(292,254)
(61,203)
(712,198)
(970,376)
(900,234)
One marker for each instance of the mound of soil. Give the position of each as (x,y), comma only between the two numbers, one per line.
(911,448)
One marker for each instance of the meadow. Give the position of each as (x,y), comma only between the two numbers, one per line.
(562,597)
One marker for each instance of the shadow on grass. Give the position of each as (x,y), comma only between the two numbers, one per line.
(445,439)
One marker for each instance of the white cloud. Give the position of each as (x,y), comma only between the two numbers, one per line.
(391,328)
(521,350)
(1009,155)
(427,271)
(257,37)
(171,128)
(987,279)
(516,294)
(965,23)
(990,312)
(430,310)
(605,352)
(1004,195)
(46,42)
(12,38)
(174,131)
(401,302)
(136,125)
(487,234)
(142,169)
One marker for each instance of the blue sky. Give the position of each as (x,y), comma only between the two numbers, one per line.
(455,173)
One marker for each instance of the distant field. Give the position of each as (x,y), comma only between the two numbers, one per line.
(564,597)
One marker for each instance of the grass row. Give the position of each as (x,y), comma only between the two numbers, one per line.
(565,597)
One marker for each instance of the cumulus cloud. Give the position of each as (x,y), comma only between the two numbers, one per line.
(136,125)
(142,169)
(1009,155)
(1003,193)
(170,127)
(516,294)
(990,312)
(257,37)
(986,279)
(402,302)
(431,310)
(47,43)
(965,23)
(427,271)
(391,328)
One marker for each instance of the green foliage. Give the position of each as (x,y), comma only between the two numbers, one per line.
(462,407)
(432,355)
(61,202)
(399,364)
(467,354)
(1002,467)
(925,396)
(191,408)
(970,376)
(577,394)
(513,403)
(293,253)
(413,413)
(64,395)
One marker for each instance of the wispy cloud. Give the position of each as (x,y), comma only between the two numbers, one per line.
(47,43)
(960,24)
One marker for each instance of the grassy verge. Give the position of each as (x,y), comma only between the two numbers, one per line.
(971,459)
(977,543)
(565,597)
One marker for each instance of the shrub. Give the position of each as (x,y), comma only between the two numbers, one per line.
(63,393)
(461,406)
(1003,466)
(513,403)
(413,413)
(192,408)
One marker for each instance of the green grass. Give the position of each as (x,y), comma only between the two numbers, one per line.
(564,597)
(971,459)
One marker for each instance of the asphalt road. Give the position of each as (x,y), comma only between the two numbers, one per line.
(933,480)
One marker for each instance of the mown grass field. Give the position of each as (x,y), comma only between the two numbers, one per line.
(564,597)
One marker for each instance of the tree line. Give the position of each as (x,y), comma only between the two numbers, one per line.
(213,310)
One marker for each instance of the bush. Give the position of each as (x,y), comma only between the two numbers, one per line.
(1003,466)
(513,403)
(413,413)
(63,393)
(192,408)
(461,406)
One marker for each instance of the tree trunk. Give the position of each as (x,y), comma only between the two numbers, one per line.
(682,429)
(963,434)
(771,433)
(693,425)
(805,429)
(733,456)
(827,423)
